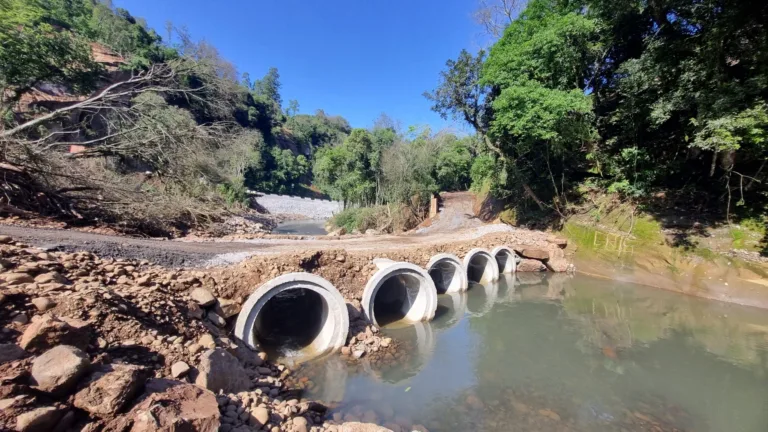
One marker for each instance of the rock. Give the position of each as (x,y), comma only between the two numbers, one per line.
(340,258)
(48,331)
(220,370)
(261,415)
(20,319)
(52,277)
(207,341)
(43,303)
(216,319)
(4,239)
(371,232)
(362,427)
(17,278)
(558,265)
(561,242)
(386,342)
(203,297)
(10,352)
(549,413)
(110,388)
(2,298)
(144,280)
(339,232)
(58,369)
(537,254)
(179,369)
(195,311)
(228,308)
(39,419)
(300,424)
(531,265)
(178,407)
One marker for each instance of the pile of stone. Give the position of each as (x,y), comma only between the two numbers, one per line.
(95,344)
(550,258)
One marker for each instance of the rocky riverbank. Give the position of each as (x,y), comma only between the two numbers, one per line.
(115,345)
(105,344)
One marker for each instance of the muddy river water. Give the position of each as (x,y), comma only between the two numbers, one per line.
(562,353)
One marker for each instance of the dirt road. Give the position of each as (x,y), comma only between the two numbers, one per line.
(455,223)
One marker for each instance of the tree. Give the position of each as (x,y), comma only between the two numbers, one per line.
(293,108)
(496,15)
(269,86)
(34,51)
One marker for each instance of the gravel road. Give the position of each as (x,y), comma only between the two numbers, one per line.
(458,226)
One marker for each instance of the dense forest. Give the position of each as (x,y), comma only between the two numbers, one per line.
(642,99)
(660,102)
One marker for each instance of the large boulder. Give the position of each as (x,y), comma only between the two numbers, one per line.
(220,370)
(49,331)
(531,265)
(58,369)
(534,253)
(110,388)
(171,407)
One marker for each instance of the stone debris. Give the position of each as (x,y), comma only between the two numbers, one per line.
(59,369)
(219,370)
(109,389)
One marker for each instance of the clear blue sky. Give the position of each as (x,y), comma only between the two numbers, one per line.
(355,58)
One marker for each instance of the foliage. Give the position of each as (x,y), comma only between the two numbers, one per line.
(633,97)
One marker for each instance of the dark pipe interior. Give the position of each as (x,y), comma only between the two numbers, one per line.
(290,321)
(502,258)
(477,268)
(394,298)
(442,274)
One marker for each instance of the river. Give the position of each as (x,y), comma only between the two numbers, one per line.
(301,227)
(562,353)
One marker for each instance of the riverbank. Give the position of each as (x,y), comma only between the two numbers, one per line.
(704,271)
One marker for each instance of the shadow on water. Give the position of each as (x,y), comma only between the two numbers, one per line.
(554,352)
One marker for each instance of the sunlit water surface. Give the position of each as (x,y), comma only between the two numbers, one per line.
(560,353)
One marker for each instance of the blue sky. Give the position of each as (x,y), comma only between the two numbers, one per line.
(355,58)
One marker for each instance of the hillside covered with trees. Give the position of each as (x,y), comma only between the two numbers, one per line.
(658,102)
(101,117)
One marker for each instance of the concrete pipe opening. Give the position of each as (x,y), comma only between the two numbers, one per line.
(399,291)
(297,316)
(448,274)
(506,258)
(481,266)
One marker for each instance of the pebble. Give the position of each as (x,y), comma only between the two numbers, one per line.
(43,303)
(179,369)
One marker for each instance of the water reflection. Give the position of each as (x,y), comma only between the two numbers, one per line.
(537,352)
(481,297)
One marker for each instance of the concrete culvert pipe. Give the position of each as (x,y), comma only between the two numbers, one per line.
(506,258)
(481,266)
(399,291)
(297,316)
(448,274)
